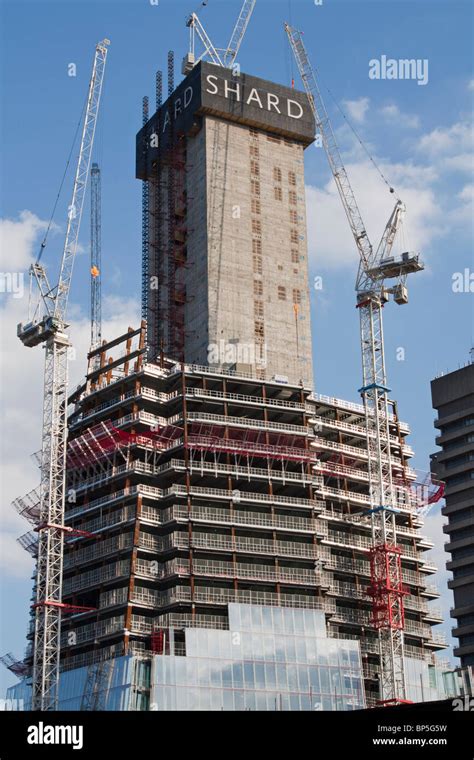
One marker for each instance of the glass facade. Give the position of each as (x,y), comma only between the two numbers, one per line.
(271,658)
(427,683)
(129,678)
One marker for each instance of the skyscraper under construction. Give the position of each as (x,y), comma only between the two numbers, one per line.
(210,486)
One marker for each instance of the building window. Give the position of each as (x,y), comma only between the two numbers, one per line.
(292,179)
(293,216)
(295,256)
(294,236)
(296,295)
(258,309)
(256,227)
(253,132)
(277,174)
(280,268)
(259,329)
(278,194)
(254,151)
(257,265)
(257,288)
(257,247)
(292,197)
(281,293)
(255,187)
(256,208)
(255,168)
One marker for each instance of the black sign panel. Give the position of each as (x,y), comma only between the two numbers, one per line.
(220,92)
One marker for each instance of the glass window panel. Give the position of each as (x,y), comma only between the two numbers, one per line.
(290,649)
(238,675)
(246,644)
(259,675)
(227,674)
(245,618)
(280,653)
(327,703)
(299,621)
(281,675)
(324,676)
(228,699)
(289,626)
(203,672)
(260,701)
(267,618)
(294,702)
(305,702)
(268,647)
(249,700)
(270,675)
(249,677)
(180,671)
(322,653)
(284,702)
(314,682)
(311,650)
(235,612)
(257,646)
(292,678)
(204,699)
(217,700)
(278,620)
(333,652)
(336,685)
(239,703)
(256,617)
(300,649)
(215,673)
(193,699)
(303,678)
(181,699)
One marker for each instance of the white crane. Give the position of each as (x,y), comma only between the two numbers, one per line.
(96,258)
(375,266)
(219,56)
(50,329)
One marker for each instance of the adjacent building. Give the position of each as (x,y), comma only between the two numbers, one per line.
(453,399)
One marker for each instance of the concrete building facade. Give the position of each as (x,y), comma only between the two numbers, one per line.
(453,398)
(226,224)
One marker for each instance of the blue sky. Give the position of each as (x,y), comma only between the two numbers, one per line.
(420,135)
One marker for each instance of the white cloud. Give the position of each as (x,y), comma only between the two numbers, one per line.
(470,84)
(357,108)
(391,113)
(451,140)
(330,240)
(17,237)
(22,388)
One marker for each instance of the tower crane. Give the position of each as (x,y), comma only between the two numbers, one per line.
(375,267)
(96,242)
(50,329)
(219,56)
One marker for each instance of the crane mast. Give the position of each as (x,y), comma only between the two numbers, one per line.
(51,330)
(374,267)
(96,255)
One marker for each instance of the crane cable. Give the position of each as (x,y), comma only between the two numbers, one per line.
(362,144)
(43,244)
